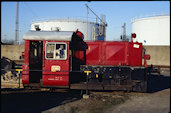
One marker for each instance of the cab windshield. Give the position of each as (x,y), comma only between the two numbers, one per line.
(56,51)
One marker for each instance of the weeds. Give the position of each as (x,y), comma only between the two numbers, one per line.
(74,109)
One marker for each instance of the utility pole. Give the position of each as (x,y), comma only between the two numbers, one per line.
(97,17)
(16,24)
(87,20)
(124,31)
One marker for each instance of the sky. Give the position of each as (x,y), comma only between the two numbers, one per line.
(116,12)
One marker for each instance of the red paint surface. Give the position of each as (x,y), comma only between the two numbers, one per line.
(113,53)
(135,54)
(49,77)
(146,57)
(25,74)
(56,80)
(25,79)
(25,67)
(93,53)
(78,54)
(26,52)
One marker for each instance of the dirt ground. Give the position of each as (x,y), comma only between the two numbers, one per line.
(158,102)
(19,100)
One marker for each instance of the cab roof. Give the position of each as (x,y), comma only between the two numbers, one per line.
(48,35)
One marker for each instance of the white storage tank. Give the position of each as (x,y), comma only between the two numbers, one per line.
(152,30)
(96,31)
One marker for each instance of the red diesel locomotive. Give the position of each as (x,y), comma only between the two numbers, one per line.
(64,60)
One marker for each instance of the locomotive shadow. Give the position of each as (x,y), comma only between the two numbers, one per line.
(36,101)
(157,83)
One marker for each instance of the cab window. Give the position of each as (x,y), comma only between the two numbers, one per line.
(56,51)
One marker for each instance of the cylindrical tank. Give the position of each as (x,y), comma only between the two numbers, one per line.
(154,33)
(153,30)
(96,31)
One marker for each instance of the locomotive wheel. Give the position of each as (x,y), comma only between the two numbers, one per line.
(26,87)
(52,89)
(139,87)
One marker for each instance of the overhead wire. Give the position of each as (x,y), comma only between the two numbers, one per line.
(27,6)
(30,9)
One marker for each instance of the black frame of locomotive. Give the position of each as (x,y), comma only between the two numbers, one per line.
(124,78)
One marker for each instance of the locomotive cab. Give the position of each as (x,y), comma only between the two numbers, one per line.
(50,58)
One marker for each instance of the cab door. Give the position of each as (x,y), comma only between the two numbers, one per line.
(35,61)
(56,64)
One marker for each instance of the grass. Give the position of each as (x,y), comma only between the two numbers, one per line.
(107,103)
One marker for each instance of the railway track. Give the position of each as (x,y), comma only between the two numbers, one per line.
(117,93)
(23,90)
(91,93)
